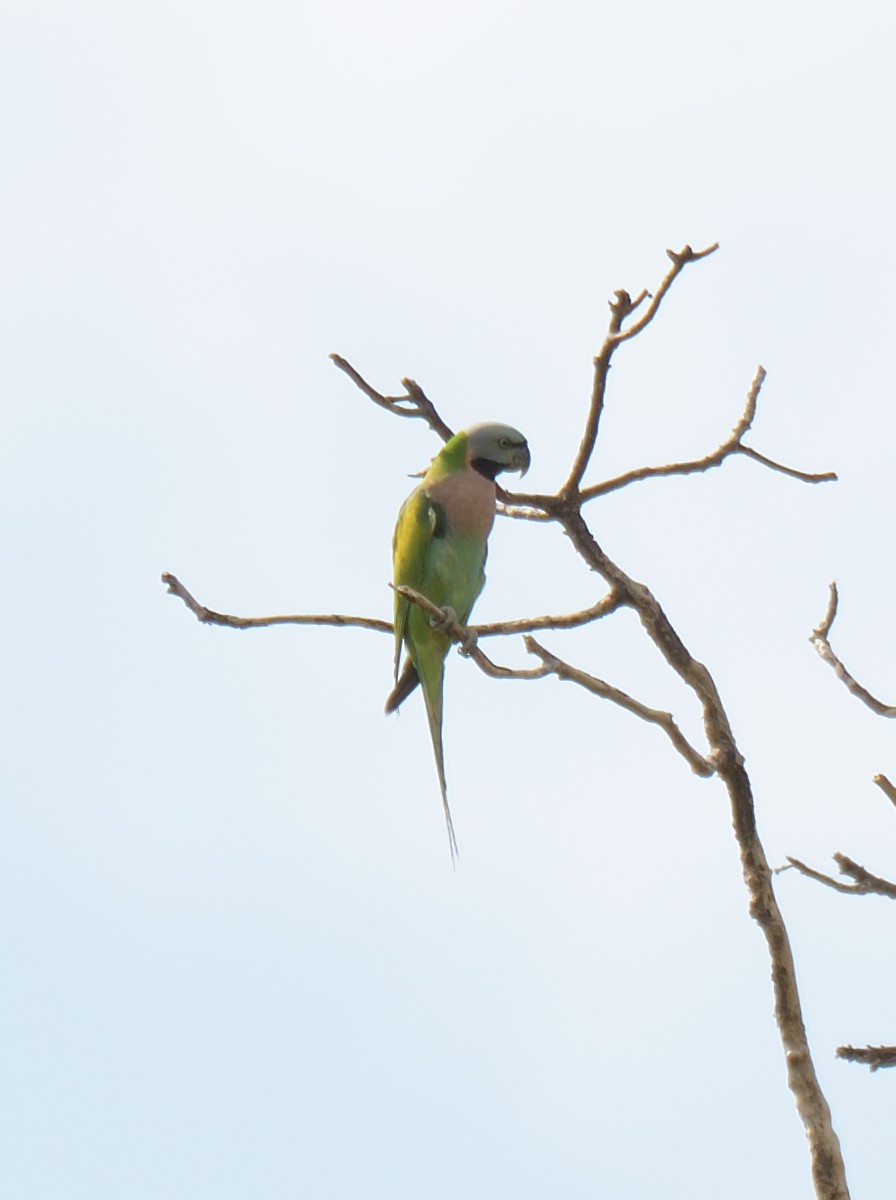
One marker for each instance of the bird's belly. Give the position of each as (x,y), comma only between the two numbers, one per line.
(455,575)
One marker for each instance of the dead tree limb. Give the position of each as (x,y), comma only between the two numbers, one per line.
(722,757)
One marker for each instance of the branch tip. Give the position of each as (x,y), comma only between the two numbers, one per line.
(886,787)
(869,1056)
(820,639)
(208,616)
(687,255)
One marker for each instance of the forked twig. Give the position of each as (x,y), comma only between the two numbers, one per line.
(732,445)
(679,259)
(414,403)
(865,884)
(621,307)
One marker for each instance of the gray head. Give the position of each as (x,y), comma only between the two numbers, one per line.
(493,448)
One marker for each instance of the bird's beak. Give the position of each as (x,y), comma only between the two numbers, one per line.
(521,459)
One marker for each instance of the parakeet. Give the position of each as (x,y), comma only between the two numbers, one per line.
(439,549)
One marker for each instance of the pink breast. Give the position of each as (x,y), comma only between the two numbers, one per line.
(468,499)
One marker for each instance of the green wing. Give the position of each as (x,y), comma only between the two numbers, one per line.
(419,521)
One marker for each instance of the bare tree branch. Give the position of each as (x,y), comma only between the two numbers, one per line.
(209,617)
(732,445)
(871,1056)
(525,508)
(415,402)
(819,638)
(603,608)
(573,620)
(551,665)
(865,883)
(828,1170)
(698,764)
(680,259)
(621,307)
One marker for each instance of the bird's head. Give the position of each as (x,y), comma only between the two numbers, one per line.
(493,448)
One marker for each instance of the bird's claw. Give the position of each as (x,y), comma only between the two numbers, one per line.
(446,622)
(468,645)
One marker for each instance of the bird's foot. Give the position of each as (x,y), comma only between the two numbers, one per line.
(468,645)
(446,622)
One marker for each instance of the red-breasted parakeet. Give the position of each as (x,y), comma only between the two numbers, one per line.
(439,549)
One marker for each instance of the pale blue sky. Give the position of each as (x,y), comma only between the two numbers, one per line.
(236,959)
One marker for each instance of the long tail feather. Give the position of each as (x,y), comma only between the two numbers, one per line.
(432,694)
(430,676)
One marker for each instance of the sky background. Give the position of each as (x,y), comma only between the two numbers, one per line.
(235,958)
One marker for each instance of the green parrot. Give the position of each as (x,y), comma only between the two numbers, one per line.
(439,549)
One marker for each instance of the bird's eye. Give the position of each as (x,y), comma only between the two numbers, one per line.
(504,443)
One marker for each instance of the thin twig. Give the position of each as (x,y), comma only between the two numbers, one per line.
(209,617)
(828,880)
(865,883)
(886,787)
(609,604)
(696,761)
(804,476)
(415,403)
(680,259)
(870,1056)
(732,445)
(820,639)
(496,671)
(621,307)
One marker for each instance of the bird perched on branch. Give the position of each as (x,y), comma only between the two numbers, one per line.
(439,549)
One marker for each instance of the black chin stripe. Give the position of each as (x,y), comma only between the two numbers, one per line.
(486,467)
